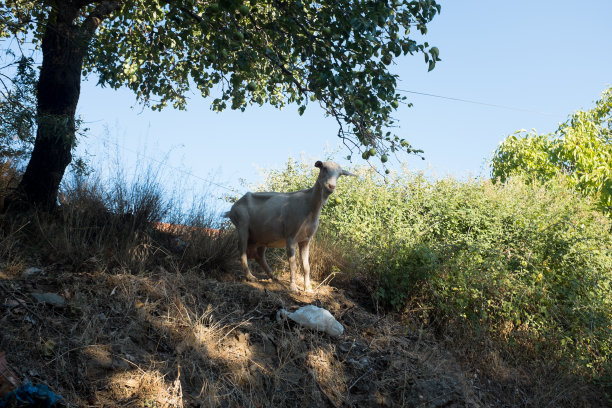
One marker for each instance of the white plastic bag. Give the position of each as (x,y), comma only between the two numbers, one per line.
(313,317)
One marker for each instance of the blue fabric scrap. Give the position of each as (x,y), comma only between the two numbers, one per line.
(29,395)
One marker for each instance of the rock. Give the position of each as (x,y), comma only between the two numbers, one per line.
(362,363)
(31,272)
(344,347)
(10,303)
(52,299)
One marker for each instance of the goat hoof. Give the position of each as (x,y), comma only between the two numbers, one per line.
(293,287)
(251,278)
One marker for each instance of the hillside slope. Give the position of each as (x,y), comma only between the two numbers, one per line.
(164,339)
(167,339)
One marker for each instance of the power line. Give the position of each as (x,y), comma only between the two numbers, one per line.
(399,90)
(477,102)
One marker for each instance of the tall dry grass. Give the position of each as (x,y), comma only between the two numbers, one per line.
(110,224)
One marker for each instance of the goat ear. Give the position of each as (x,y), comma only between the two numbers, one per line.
(347,173)
(318,164)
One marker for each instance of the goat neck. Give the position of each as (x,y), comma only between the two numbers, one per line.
(318,196)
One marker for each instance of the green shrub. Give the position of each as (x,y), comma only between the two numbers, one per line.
(529,265)
(580,152)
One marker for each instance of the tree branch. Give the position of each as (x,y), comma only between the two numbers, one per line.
(83,3)
(192,14)
(289,73)
(102,11)
(278,63)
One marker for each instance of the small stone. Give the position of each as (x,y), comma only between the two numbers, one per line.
(52,299)
(31,272)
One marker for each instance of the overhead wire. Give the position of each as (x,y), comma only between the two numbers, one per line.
(477,102)
(399,90)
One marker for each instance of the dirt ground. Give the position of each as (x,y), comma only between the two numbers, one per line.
(168,339)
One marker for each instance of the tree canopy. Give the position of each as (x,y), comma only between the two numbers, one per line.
(580,151)
(241,52)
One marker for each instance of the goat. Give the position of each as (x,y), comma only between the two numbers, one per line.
(277,220)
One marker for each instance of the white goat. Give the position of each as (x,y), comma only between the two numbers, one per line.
(277,220)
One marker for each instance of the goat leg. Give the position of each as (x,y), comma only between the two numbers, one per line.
(292,264)
(260,257)
(304,255)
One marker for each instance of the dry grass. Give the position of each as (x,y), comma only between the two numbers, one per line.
(162,338)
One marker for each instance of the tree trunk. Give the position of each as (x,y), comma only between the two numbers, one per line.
(58,90)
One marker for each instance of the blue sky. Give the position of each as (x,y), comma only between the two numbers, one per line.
(546,58)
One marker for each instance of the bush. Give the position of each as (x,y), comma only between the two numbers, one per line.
(580,152)
(528,265)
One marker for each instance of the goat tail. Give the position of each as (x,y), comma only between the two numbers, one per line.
(227,214)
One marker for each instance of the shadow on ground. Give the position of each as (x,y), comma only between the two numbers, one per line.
(167,339)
